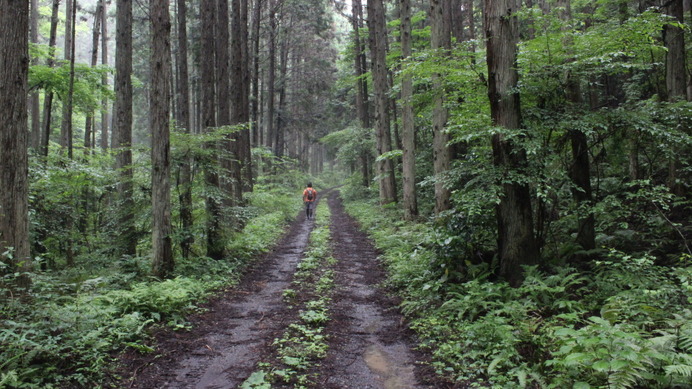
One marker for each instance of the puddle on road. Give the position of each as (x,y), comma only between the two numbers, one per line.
(393,376)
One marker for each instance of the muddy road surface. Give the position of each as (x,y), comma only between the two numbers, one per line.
(369,343)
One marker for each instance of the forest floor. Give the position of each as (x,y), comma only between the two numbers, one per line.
(370,345)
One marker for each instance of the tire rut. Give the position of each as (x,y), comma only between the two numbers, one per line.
(226,343)
(370,346)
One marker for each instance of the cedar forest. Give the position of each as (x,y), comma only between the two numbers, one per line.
(523,168)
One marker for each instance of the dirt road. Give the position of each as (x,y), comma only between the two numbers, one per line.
(369,345)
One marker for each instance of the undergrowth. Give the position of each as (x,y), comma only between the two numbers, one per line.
(626,323)
(67,330)
(303,343)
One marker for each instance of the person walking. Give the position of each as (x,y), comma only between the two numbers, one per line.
(309,197)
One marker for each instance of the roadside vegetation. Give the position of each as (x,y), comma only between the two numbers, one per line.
(304,342)
(67,328)
(624,322)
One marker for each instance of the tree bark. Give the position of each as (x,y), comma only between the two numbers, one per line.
(378,37)
(34,104)
(105,120)
(516,242)
(14,196)
(95,35)
(238,101)
(245,146)
(160,97)
(215,243)
(66,127)
(676,83)
(442,156)
(183,120)
(122,126)
(255,99)
(407,119)
(48,101)
(271,74)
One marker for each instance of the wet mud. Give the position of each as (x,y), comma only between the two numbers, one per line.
(369,343)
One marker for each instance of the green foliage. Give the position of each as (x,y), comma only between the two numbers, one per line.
(624,324)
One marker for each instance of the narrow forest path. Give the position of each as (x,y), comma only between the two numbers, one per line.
(369,346)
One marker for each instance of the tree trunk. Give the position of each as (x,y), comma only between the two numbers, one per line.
(408,133)
(89,125)
(378,37)
(224,102)
(516,242)
(361,83)
(66,127)
(159,100)
(271,73)
(215,243)
(105,120)
(237,103)
(48,101)
(14,196)
(442,156)
(122,126)
(280,119)
(255,99)
(245,145)
(676,83)
(34,104)
(183,120)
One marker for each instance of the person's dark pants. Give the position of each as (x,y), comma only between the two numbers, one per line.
(309,209)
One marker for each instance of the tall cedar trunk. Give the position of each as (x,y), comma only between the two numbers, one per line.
(66,127)
(456,21)
(676,84)
(361,84)
(215,244)
(223,101)
(34,105)
(271,76)
(183,120)
(122,126)
(441,42)
(237,101)
(14,196)
(245,146)
(281,114)
(378,37)
(407,119)
(48,100)
(255,99)
(580,171)
(516,242)
(105,120)
(159,102)
(89,124)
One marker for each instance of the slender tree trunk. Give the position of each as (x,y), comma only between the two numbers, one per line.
(34,104)
(408,133)
(378,37)
(237,103)
(215,243)
(676,83)
(441,42)
(516,242)
(361,84)
(122,126)
(48,101)
(279,131)
(89,124)
(66,127)
(160,96)
(183,120)
(245,146)
(257,12)
(14,196)
(271,73)
(105,120)
(224,102)
(580,171)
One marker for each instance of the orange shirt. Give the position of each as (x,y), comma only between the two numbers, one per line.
(305,194)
